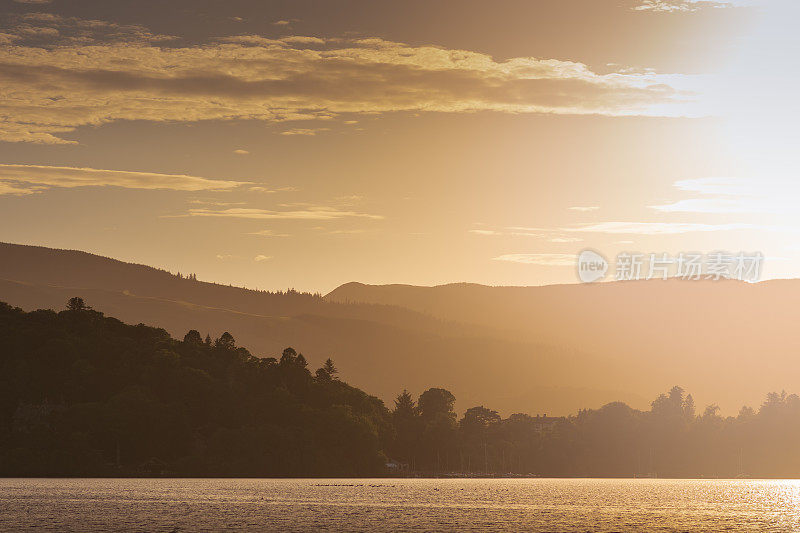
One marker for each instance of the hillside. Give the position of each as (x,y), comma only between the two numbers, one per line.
(84,394)
(725,340)
(383,349)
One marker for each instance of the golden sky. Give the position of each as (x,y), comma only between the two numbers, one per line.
(310,143)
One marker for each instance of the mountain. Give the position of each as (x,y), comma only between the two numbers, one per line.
(551,349)
(725,340)
(381,348)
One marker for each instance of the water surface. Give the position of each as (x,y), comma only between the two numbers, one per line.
(173,505)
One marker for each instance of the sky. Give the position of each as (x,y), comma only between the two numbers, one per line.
(306,144)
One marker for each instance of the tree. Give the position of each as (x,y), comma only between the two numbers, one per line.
(439,426)
(407,427)
(688,407)
(434,402)
(404,407)
(479,418)
(327,372)
(329,368)
(193,338)
(746,412)
(225,342)
(77,304)
(676,395)
(712,411)
(288,357)
(669,405)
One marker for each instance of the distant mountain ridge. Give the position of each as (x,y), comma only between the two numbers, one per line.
(381,347)
(718,338)
(551,349)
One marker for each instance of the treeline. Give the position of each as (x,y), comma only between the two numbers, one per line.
(288,292)
(82,394)
(669,440)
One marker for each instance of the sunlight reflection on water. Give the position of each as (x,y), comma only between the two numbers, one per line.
(399,504)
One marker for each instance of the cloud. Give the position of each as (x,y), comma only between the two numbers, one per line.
(539,259)
(566,234)
(302,39)
(269,190)
(345,231)
(33,178)
(65,73)
(241,152)
(735,196)
(304,131)
(711,205)
(585,209)
(47,30)
(551,235)
(260,258)
(657,228)
(309,213)
(485,232)
(671,6)
(13,190)
(268,233)
(38,2)
(566,239)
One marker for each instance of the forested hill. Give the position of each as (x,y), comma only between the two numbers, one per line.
(83,394)
(380,348)
(86,395)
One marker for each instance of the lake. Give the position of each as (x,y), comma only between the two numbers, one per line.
(173,505)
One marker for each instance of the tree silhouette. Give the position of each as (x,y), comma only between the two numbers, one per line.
(328,371)
(225,342)
(76,303)
(193,338)
(436,402)
(330,368)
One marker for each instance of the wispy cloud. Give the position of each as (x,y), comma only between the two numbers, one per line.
(735,195)
(268,233)
(552,235)
(657,228)
(308,132)
(215,203)
(14,190)
(539,259)
(485,232)
(671,6)
(24,179)
(310,213)
(241,152)
(80,73)
(259,258)
(271,190)
(567,234)
(585,209)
